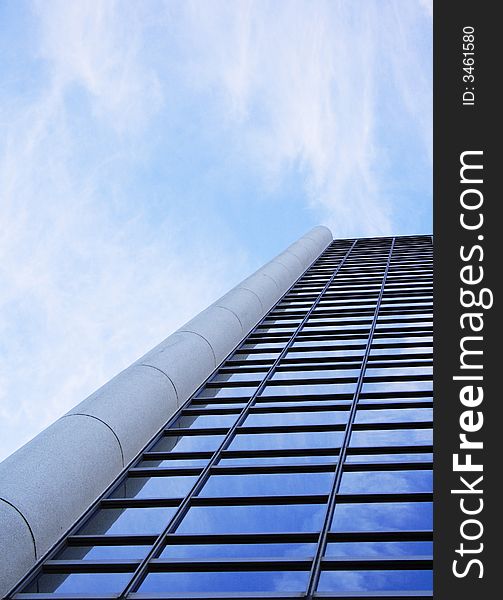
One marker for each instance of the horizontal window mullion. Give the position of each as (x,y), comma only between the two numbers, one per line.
(110,540)
(396,378)
(376,498)
(392,425)
(230,565)
(267,429)
(304,397)
(196,412)
(275,453)
(183,539)
(394,563)
(185,431)
(257,409)
(310,381)
(387,466)
(273,469)
(390,395)
(376,450)
(163,471)
(259,500)
(90,566)
(140,502)
(421,535)
(153,455)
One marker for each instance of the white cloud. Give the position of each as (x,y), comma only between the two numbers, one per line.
(90,279)
(87,284)
(303,82)
(98,45)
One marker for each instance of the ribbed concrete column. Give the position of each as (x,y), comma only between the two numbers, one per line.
(48,483)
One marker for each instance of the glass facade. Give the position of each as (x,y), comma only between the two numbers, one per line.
(301,468)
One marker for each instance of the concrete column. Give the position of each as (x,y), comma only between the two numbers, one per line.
(48,483)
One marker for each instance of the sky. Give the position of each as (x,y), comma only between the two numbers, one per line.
(153,154)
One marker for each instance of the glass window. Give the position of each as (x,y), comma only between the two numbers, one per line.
(318,374)
(174,462)
(380,339)
(397,386)
(282,441)
(394,415)
(188,443)
(392,437)
(203,421)
(227,392)
(359,549)
(256,355)
(280,518)
(389,458)
(325,353)
(229,550)
(83,583)
(299,390)
(281,460)
(154,487)
(103,553)
(268,484)
(400,349)
(239,376)
(265,345)
(391,401)
(128,521)
(263,401)
(386,482)
(321,417)
(224,403)
(375,581)
(404,370)
(237,581)
(383,516)
(332,343)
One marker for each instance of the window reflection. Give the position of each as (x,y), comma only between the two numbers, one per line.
(281,441)
(128,521)
(375,581)
(103,552)
(361,549)
(253,519)
(154,487)
(229,550)
(389,458)
(75,583)
(188,443)
(398,415)
(383,516)
(246,581)
(203,421)
(297,390)
(387,482)
(297,418)
(392,437)
(268,484)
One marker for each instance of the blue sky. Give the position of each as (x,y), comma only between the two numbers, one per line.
(153,154)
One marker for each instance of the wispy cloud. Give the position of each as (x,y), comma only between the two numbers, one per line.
(88,284)
(307,84)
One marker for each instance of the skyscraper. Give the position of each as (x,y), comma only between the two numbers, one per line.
(302,467)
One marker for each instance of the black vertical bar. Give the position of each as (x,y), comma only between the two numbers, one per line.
(467,119)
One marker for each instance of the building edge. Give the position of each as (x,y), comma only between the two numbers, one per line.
(49,482)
